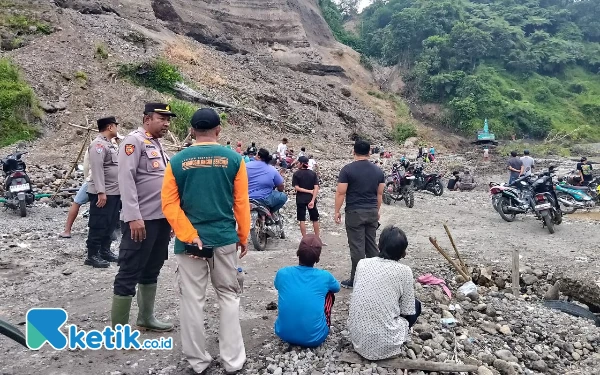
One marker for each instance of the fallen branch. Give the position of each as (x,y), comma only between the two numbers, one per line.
(85,142)
(410,364)
(188,92)
(452,262)
(464,267)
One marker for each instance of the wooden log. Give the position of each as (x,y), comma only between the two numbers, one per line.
(410,364)
(187,92)
(452,262)
(464,267)
(515,273)
(85,142)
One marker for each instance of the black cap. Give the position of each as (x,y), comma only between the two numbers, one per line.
(161,108)
(583,158)
(205,119)
(102,122)
(303,159)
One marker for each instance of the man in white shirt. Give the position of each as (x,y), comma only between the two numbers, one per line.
(281,150)
(528,163)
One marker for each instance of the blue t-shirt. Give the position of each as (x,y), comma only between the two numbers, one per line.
(262,178)
(301,318)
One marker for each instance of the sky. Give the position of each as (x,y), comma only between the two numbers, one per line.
(363,3)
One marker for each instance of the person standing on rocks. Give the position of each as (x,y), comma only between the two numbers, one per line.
(282,152)
(515,167)
(306,184)
(204,195)
(103,193)
(146,232)
(306,296)
(360,184)
(383,305)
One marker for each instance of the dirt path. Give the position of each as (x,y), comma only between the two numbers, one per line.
(37,269)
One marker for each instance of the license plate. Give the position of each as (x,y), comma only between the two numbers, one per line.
(543,206)
(17,188)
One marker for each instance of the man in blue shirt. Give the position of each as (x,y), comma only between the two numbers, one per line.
(306,296)
(265,184)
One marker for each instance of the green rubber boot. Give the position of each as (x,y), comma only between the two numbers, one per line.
(119,314)
(146,321)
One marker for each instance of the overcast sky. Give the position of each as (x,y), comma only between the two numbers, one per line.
(363,3)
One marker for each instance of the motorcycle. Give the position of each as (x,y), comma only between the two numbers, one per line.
(545,203)
(429,182)
(512,199)
(398,187)
(263,225)
(18,193)
(571,198)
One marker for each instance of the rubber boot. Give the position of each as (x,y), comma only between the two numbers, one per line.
(119,314)
(146,320)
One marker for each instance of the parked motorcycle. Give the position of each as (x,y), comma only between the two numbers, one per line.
(263,225)
(511,199)
(545,202)
(571,198)
(398,186)
(18,193)
(430,182)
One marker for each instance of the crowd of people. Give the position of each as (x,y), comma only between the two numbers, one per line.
(201,198)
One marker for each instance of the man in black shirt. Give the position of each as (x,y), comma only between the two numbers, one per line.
(453,182)
(360,184)
(306,184)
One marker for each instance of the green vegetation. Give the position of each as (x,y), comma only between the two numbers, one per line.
(404,131)
(529,66)
(18,106)
(80,75)
(335,19)
(158,74)
(24,24)
(101,52)
(180,125)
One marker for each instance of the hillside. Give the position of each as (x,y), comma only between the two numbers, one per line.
(276,57)
(530,66)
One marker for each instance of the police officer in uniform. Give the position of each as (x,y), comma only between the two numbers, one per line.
(146,232)
(103,193)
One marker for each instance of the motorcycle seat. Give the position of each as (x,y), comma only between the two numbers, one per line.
(576,187)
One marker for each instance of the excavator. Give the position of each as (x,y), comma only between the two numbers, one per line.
(484,136)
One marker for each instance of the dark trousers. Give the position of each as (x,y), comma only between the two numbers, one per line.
(361,228)
(102,223)
(140,262)
(329,300)
(412,319)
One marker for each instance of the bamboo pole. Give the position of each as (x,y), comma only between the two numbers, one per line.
(456,266)
(83,144)
(464,267)
(515,273)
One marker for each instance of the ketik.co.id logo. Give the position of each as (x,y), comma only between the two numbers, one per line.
(44,326)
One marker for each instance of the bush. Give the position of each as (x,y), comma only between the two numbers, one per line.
(18,106)
(157,74)
(80,75)
(25,25)
(403,131)
(365,61)
(101,52)
(376,94)
(180,125)
(577,88)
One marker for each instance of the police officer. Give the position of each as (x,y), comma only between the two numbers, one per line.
(146,232)
(103,193)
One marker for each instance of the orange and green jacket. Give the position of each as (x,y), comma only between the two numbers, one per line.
(204,194)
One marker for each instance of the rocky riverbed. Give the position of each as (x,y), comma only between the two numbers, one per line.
(495,331)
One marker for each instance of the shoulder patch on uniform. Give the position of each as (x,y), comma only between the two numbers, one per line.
(99,148)
(129,149)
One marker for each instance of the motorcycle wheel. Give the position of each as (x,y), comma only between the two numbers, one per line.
(23,208)
(548,221)
(258,236)
(502,203)
(409,198)
(387,198)
(438,188)
(570,199)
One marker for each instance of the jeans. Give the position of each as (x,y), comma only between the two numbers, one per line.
(275,200)
(81,197)
(412,319)
(512,178)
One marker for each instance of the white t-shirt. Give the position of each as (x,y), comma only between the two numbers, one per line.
(281,149)
(528,163)
(311,164)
